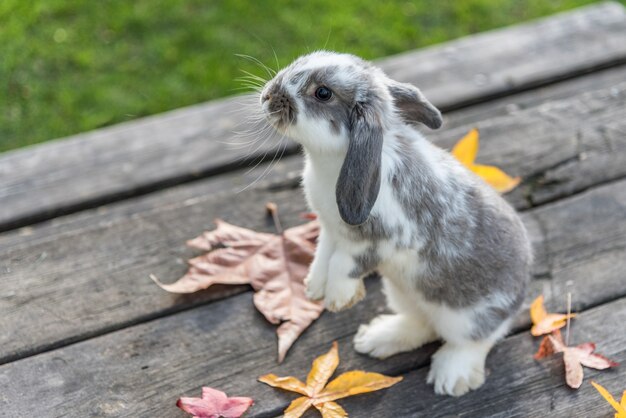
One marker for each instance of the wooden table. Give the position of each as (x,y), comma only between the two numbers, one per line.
(85,220)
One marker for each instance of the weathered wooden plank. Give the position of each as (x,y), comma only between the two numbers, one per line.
(107,265)
(518,386)
(107,256)
(512,127)
(137,157)
(559,147)
(494,63)
(283,174)
(516,103)
(141,370)
(116,245)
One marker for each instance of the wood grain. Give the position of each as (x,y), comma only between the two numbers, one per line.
(106,258)
(71,287)
(110,164)
(559,147)
(518,386)
(141,370)
(587,139)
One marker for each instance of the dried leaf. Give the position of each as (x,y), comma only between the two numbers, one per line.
(331,410)
(543,322)
(545,347)
(319,394)
(215,404)
(466,150)
(620,408)
(274,264)
(497,178)
(574,358)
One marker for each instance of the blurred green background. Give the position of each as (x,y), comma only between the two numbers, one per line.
(68,66)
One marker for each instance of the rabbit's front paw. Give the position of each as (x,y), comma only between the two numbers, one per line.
(387,335)
(343,293)
(315,287)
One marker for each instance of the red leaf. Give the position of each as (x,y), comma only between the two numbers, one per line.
(214,404)
(574,358)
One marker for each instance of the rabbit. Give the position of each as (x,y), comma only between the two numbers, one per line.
(453,255)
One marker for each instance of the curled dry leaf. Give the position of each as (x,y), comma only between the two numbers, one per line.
(544,322)
(274,264)
(620,408)
(215,404)
(321,395)
(466,150)
(574,358)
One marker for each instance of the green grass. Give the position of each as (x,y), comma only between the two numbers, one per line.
(68,66)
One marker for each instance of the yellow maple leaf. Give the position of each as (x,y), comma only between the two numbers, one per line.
(544,322)
(466,150)
(321,395)
(620,408)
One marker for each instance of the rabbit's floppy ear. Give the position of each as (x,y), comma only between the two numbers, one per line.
(359,179)
(413,106)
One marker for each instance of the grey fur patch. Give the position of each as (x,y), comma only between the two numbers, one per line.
(474,243)
(365,263)
(296,78)
(359,179)
(414,107)
(373,229)
(489,320)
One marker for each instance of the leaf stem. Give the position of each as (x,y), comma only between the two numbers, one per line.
(272,209)
(569,311)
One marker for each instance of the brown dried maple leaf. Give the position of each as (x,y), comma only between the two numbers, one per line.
(323,396)
(574,358)
(275,265)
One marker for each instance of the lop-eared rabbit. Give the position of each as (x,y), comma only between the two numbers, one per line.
(453,255)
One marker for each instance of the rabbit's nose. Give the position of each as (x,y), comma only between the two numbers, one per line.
(278,102)
(266,97)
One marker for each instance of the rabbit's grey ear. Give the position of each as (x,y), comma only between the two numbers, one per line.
(359,179)
(413,106)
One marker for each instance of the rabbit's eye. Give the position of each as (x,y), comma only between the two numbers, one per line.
(323,94)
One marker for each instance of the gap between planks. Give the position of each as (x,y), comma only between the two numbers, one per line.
(445,69)
(271,155)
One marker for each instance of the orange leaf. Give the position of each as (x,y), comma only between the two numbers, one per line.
(288,383)
(620,409)
(466,150)
(347,384)
(297,407)
(322,369)
(537,310)
(497,178)
(274,264)
(543,322)
(574,358)
(331,410)
(356,382)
